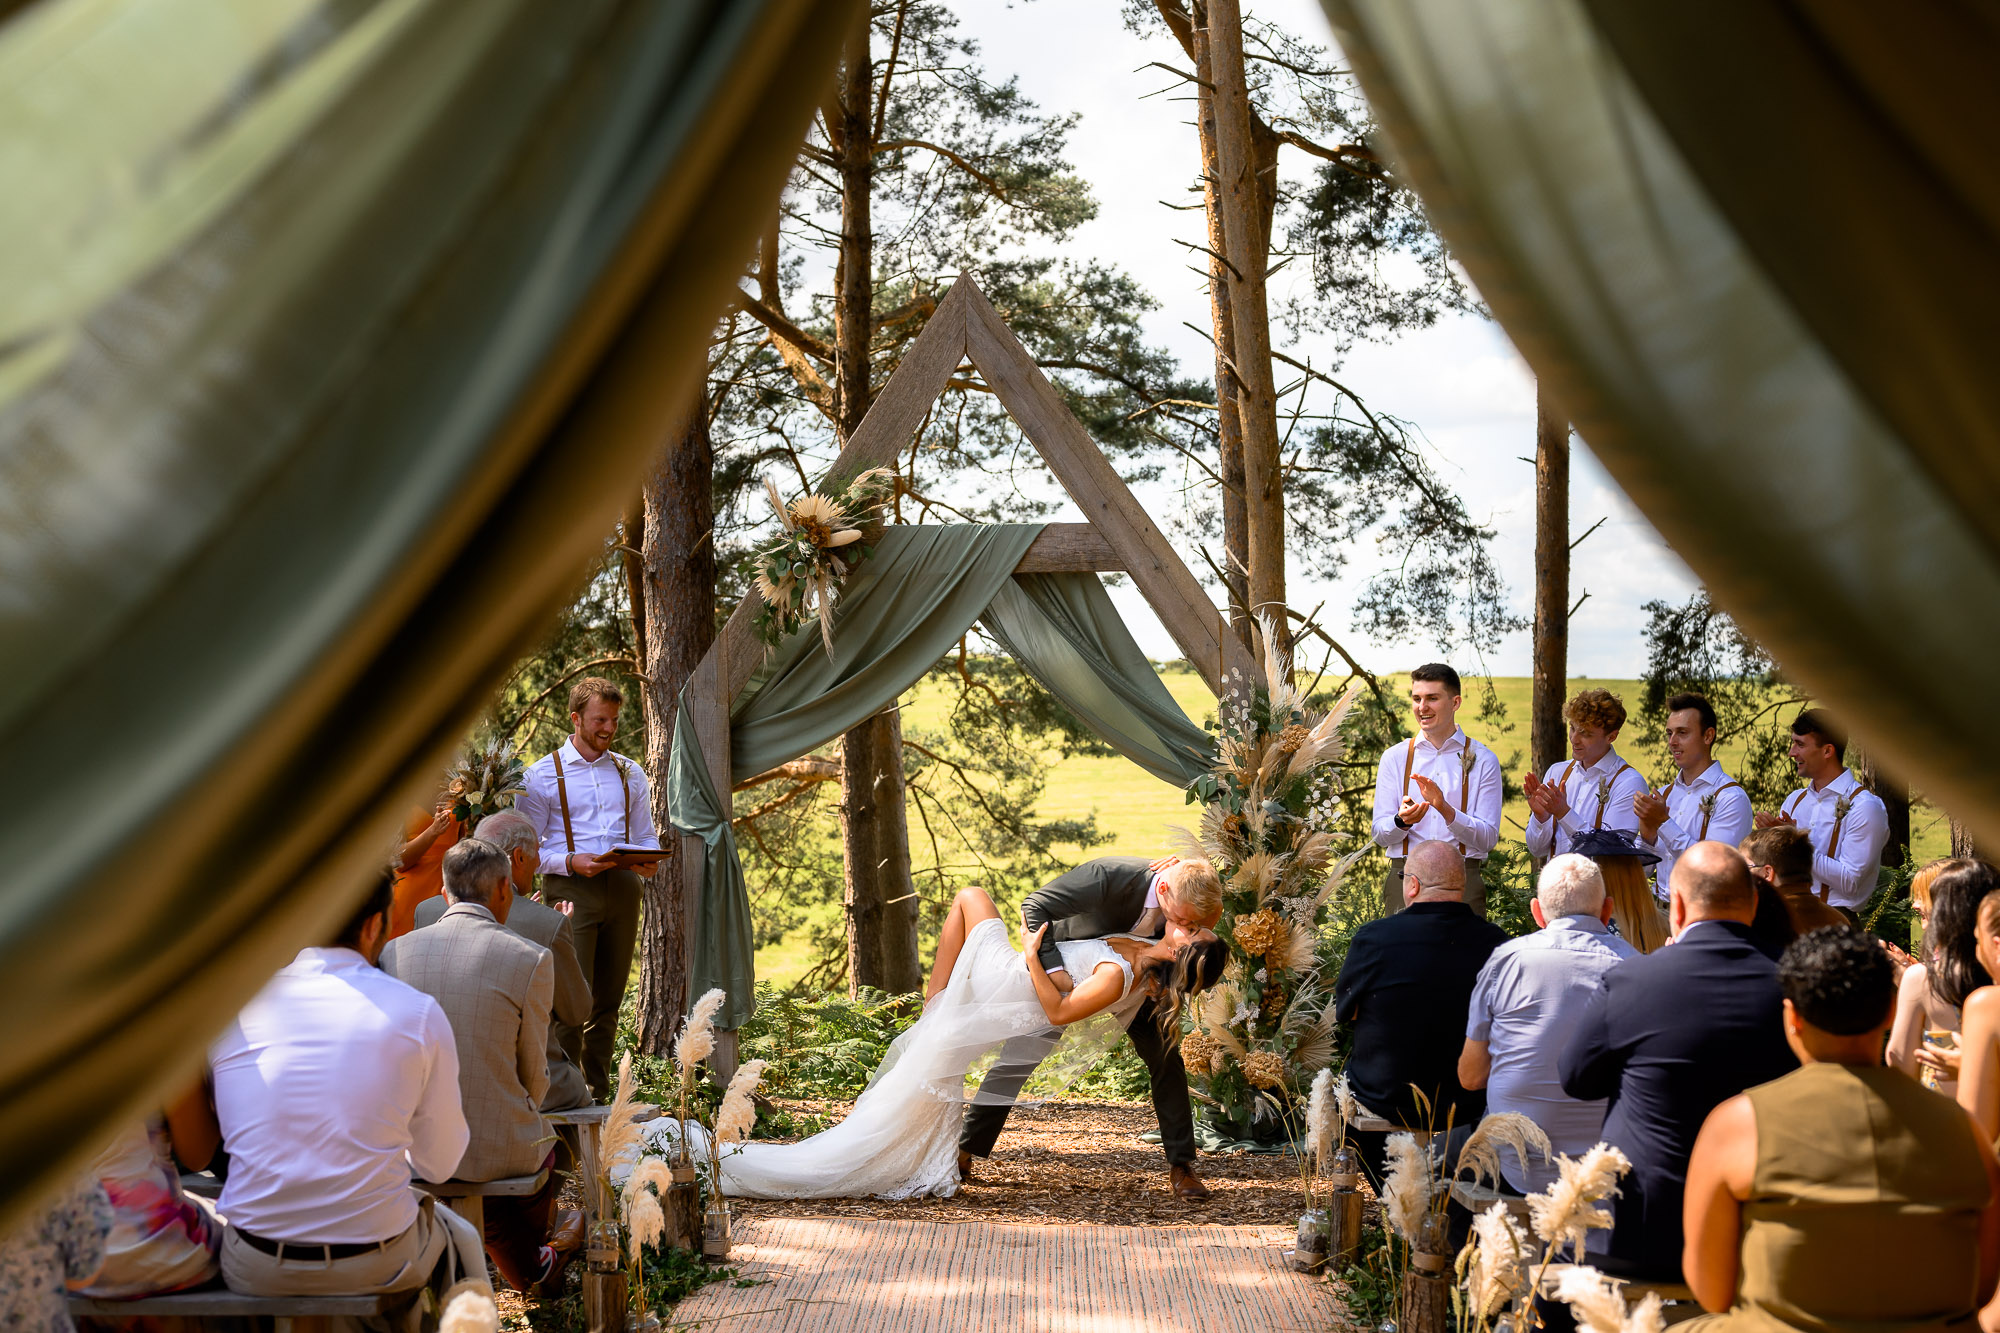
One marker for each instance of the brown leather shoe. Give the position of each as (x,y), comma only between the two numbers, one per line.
(566,1237)
(1187,1185)
(965,1160)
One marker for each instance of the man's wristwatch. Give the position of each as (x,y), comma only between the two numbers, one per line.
(1400,824)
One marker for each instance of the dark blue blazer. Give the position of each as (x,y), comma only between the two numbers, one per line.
(1668,1037)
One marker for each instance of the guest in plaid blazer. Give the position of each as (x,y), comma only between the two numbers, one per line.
(496,988)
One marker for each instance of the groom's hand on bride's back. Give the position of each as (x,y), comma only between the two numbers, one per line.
(1031,948)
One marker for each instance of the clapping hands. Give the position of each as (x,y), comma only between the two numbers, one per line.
(1545,799)
(1651,807)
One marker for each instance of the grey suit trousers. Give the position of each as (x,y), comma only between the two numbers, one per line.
(605,923)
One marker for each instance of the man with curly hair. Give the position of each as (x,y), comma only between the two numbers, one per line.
(1593,790)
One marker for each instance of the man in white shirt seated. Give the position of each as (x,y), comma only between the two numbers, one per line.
(1702,804)
(583,800)
(1438,786)
(1593,790)
(333,1087)
(1848,823)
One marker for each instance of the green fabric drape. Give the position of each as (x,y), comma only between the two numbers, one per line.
(899,614)
(1775,355)
(1064,630)
(333,335)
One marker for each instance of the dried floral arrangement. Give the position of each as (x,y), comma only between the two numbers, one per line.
(798,572)
(1269,807)
(483,781)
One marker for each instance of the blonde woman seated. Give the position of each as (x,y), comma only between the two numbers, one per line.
(1794,1184)
(901,1139)
(1623,861)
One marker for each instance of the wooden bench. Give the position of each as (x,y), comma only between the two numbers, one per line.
(467,1197)
(588,1122)
(1680,1302)
(1370,1123)
(1478,1198)
(224,1304)
(201,1183)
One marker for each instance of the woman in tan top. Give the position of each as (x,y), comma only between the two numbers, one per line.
(1794,1184)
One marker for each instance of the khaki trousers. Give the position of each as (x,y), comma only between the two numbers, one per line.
(1475,887)
(605,922)
(405,1263)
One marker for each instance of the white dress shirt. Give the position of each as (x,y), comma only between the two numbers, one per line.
(331,1086)
(603,793)
(1727,819)
(1845,870)
(1474,794)
(1586,788)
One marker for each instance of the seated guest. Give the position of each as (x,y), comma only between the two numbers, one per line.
(1782,856)
(1976,1063)
(162,1239)
(50,1253)
(511,832)
(1666,1039)
(1527,1002)
(1622,862)
(332,1087)
(1927,1002)
(1795,1186)
(1405,987)
(495,988)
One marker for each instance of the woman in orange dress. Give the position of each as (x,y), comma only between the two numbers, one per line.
(427,836)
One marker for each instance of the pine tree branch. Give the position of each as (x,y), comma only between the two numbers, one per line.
(771,319)
(959,160)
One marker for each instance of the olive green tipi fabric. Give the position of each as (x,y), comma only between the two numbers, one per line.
(899,614)
(334,335)
(1776,340)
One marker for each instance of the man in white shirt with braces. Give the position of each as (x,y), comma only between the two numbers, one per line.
(1438,786)
(1848,824)
(584,800)
(1593,790)
(1702,804)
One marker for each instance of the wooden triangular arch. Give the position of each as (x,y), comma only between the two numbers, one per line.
(1119,534)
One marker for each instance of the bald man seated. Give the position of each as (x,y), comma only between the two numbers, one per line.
(1406,987)
(1669,1036)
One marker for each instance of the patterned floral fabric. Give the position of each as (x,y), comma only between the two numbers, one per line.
(161,1240)
(38,1260)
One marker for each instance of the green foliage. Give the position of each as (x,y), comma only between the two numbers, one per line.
(671,1277)
(823,1048)
(1697,649)
(1372,1288)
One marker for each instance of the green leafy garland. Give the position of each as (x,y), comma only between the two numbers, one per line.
(1267,826)
(798,572)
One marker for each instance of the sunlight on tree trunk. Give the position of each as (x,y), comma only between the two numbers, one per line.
(1548,739)
(1245,188)
(677,576)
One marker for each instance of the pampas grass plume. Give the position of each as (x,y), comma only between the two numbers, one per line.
(739,1112)
(1502,1129)
(1570,1208)
(469,1308)
(1406,1189)
(1499,1269)
(1320,1113)
(621,1126)
(697,1040)
(646,1221)
(1594,1298)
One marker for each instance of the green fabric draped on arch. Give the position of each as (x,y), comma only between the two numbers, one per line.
(899,613)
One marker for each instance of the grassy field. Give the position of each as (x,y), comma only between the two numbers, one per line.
(1137,809)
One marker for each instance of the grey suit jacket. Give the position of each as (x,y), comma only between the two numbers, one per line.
(550,929)
(496,988)
(1098,898)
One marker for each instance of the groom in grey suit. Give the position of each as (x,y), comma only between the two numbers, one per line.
(1114,895)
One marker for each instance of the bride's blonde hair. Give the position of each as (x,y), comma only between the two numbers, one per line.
(1195,967)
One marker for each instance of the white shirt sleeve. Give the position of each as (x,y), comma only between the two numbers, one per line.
(438,1132)
(1541,834)
(1862,835)
(1672,839)
(1732,818)
(533,805)
(1388,796)
(643,832)
(1478,824)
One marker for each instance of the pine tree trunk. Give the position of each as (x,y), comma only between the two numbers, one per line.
(1229,423)
(677,577)
(875,830)
(1548,740)
(1246,176)
(880,895)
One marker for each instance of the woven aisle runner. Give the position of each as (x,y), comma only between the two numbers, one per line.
(835,1275)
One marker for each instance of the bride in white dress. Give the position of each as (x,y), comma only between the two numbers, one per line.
(901,1138)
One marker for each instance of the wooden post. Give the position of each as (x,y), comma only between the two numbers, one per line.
(1548,740)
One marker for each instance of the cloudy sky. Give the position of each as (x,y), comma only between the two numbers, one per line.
(1460,383)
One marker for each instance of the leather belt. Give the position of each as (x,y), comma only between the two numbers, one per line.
(310,1249)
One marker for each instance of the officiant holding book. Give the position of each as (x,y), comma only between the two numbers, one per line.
(585,801)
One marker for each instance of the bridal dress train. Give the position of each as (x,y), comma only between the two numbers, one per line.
(901,1138)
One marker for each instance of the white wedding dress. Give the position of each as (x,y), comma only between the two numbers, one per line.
(901,1138)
